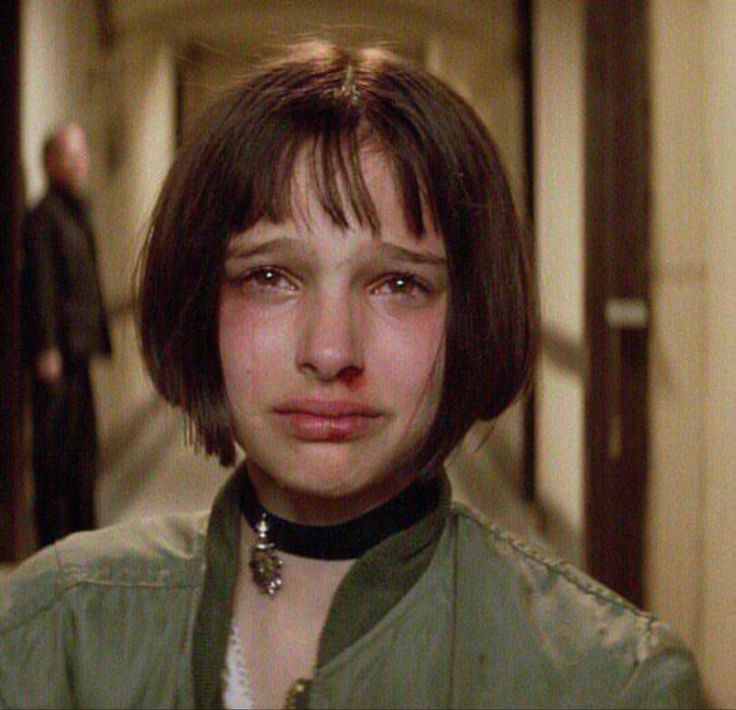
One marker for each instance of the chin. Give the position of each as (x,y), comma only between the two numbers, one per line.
(332,479)
(329,474)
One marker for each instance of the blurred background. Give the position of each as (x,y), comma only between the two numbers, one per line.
(616,120)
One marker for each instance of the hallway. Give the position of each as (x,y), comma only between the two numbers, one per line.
(135,72)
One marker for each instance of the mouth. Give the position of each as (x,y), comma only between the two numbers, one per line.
(327,420)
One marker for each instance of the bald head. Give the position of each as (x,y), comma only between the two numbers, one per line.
(66,159)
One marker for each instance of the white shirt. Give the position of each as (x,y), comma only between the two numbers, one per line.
(237,691)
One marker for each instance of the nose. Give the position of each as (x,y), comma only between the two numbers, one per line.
(330,346)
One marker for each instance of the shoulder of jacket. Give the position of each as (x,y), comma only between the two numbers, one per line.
(534,606)
(506,543)
(161,551)
(568,594)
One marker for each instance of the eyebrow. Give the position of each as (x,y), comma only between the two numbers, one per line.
(238,250)
(398,253)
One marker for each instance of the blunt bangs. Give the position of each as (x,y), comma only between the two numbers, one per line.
(329,124)
(329,105)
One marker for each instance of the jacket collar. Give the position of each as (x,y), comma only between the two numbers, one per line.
(373,586)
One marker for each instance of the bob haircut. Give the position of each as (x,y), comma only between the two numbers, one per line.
(326,102)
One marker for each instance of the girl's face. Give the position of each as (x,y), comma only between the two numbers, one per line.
(332,349)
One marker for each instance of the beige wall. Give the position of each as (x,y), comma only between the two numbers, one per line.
(139,144)
(487,74)
(691,555)
(126,102)
(677,382)
(719,574)
(58,83)
(558,183)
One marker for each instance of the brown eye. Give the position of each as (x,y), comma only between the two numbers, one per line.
(267,278)
(402,285)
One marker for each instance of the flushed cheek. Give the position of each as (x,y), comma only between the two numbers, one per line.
(251,349)
(412,359)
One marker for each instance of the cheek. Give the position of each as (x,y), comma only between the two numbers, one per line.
(250,348)
(412,358)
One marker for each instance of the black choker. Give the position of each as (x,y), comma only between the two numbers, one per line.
(344,541)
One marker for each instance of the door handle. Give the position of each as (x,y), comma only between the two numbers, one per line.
(627,313)
(621,314)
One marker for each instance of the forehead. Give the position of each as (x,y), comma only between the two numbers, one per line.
(308,219)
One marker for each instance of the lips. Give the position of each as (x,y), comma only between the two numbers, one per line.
(327,420)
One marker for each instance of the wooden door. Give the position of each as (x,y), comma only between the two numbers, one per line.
(616,291)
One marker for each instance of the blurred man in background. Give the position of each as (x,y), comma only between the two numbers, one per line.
(64,324)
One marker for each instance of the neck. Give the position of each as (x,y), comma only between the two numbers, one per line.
(346,540)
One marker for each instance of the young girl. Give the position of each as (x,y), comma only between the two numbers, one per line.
(335,281)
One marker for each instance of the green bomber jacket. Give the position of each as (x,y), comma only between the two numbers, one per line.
(451,613)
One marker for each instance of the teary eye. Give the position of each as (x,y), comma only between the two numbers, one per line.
(267,277)
(402,284)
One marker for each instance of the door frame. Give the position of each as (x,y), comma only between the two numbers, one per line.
(617,291)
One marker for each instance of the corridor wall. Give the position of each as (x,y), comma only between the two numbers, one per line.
(559,233)
(691,556)
(719,578)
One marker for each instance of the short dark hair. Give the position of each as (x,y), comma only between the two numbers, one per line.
(236,168)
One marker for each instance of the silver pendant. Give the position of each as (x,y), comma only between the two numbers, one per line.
(265,564)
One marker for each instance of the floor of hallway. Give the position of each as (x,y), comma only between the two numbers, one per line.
(159,473)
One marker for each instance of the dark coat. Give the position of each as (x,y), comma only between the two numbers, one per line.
(62,299)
